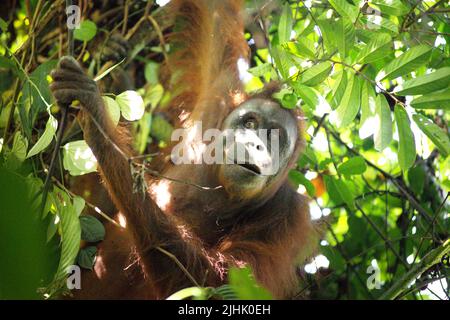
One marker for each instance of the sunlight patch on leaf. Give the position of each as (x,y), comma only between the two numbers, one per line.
(131,104)
(78,158)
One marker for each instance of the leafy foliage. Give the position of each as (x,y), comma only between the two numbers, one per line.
(372,79)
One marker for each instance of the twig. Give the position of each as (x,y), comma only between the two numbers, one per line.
(430,226)
(432,258)
(62,126)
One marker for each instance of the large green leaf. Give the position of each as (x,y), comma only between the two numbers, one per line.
(86,31)
(407,62)
(131,105)
(437,100)
(285,25)
(46,138)
(345,36)
(355,165)
(345,9)
(113,109)
(339,88)
(92,230)
(377,23)
(19,148)
(261,70)
(244,284)
(151,72)
(282,61)
(368,106)
(327,31)
(78,158)
(436,134)
(406,143)
(376,49)
(339,191)
(350,104)
(310,96)
(35,92)
(303,47)
(316,74)
(86,257)
(440,79)
(390,7)
(383,123)
(70,235)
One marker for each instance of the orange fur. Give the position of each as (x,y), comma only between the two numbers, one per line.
(203,63)
(268,235)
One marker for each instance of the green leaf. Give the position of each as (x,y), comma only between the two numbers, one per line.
(161,129)
(327,31)
(368,106)
(440,79)
(316,74)
(46,138)
(6,62)
(339,88)
(406,144)
(345,36)
(151,73)
(378,23)
(19,148)
(86,257)
(353,166)
(78,158)
(285,25)
(70,235)
(37,92)
(416,179)
(339,192)
(92,230)
(289,101)
(86,31)
(434,133)
(226,292)
(308,156)
(108,71)
(131,104)
(113,109)
(282,61)
(437,100)
(383,123)
(298,178)
(303,47)
(350,103)
(154,95)
(345,9)
(409,61)
(307,94)
(244,284)
(390,7)
(3,25)
(78,203)
(196,293)
(376,49)
(261,70)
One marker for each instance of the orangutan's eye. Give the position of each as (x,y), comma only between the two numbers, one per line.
(251,123)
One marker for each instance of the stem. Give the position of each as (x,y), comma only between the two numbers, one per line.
(61,128)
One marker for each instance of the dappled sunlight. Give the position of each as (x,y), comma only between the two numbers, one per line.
(160,191)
